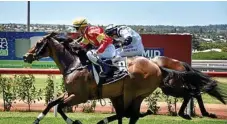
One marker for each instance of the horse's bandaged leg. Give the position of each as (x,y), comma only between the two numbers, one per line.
(41,115)
(105,121)
(69,121)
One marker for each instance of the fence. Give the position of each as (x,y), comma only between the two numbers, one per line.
(56,71)
(210,65)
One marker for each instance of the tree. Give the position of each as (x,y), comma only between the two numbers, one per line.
(195,43)
(200,30)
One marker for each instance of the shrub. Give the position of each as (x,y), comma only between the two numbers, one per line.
(224,49)
(89,106)
(152,101)
(27,92)
(49,89)
(170,102)
(8,89)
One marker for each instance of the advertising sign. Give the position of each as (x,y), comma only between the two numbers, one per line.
(13,45)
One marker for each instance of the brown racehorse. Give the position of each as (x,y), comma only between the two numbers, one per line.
(187,88)
(144,77)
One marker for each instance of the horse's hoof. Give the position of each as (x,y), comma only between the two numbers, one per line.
(210,115)
(185,116)
(101,122)
(77,122)
(36,121)
(149,112)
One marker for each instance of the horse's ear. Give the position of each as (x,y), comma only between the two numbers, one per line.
(52,34)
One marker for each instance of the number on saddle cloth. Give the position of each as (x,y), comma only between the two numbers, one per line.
(119,67)
(122,64)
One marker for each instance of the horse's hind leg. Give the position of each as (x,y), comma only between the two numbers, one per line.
(202,107)
(134,110)
(47,109)
(183,106)
(119,108)
(110,119)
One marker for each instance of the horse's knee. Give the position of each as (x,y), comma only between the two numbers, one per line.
(60,107)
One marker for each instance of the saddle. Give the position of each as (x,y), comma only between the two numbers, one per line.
(118,71)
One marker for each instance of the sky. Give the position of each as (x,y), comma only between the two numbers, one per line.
(179,13)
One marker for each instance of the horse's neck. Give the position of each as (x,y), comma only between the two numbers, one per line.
(63,58)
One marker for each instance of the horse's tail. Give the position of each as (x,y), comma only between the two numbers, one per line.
(219,92)
(196,82)
(208,85)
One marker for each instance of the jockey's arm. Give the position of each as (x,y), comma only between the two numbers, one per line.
(117,43)
(78,39)
(105,41)
(127,35)
(84,42)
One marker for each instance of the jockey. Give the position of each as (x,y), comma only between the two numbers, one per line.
(96,37)
(126,37)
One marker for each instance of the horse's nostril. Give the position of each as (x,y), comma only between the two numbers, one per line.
(28,58)
(25,57)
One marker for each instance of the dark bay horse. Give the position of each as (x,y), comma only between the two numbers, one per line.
(193,87)
(144,77)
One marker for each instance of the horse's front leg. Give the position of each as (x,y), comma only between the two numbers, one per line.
(183,106)
(47,109)
(148,112)
(73,99)
(202,108)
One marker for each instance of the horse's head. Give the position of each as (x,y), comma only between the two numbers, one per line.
(40,49)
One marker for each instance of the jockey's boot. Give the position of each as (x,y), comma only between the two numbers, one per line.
(105,69)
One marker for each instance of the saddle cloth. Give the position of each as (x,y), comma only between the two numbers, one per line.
(122,67)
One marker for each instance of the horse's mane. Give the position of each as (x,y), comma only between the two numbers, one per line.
(73,47)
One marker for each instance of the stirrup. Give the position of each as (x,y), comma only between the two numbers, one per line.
(102,74)
(116,59)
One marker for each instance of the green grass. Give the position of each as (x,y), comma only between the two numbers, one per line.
(93,118)
(210,56)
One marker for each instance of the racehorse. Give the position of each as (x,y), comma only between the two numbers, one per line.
(143,78)
(191,86)
(194,87)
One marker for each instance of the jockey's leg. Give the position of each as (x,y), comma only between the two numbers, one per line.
(109,53)
(47,109)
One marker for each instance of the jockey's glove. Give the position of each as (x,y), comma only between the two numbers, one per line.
(127,41)
(117,45)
